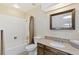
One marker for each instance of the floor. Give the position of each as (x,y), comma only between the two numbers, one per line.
(23,53)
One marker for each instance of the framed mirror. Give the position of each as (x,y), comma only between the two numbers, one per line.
(63,20)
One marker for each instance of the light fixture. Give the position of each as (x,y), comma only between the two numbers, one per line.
(16,6)
(33,4)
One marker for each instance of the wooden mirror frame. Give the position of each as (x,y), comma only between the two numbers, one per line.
(73,20)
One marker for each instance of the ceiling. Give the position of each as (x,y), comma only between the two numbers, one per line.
(25,7)
(47,5)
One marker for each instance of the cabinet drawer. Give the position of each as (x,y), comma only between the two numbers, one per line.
(55,51)
(61,53)
(49,53)
(40,45)
(50,49)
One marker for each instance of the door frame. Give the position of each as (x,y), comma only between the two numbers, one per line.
(2,44)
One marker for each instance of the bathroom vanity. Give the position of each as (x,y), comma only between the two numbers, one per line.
(55,46)
(46,50)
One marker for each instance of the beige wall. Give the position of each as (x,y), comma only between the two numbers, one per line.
(13,27)
(11,11)
(42,23)
(13,23)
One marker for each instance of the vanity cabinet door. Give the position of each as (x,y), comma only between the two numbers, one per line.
(50,50)
(40,51)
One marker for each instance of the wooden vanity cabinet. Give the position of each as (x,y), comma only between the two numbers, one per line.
(40,49)
(45,50)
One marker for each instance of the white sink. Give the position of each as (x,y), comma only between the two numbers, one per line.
(74,43)
(57,44)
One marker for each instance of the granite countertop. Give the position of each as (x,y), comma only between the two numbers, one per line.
(66,48)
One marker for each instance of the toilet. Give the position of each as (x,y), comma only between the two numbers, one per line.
(31,49)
